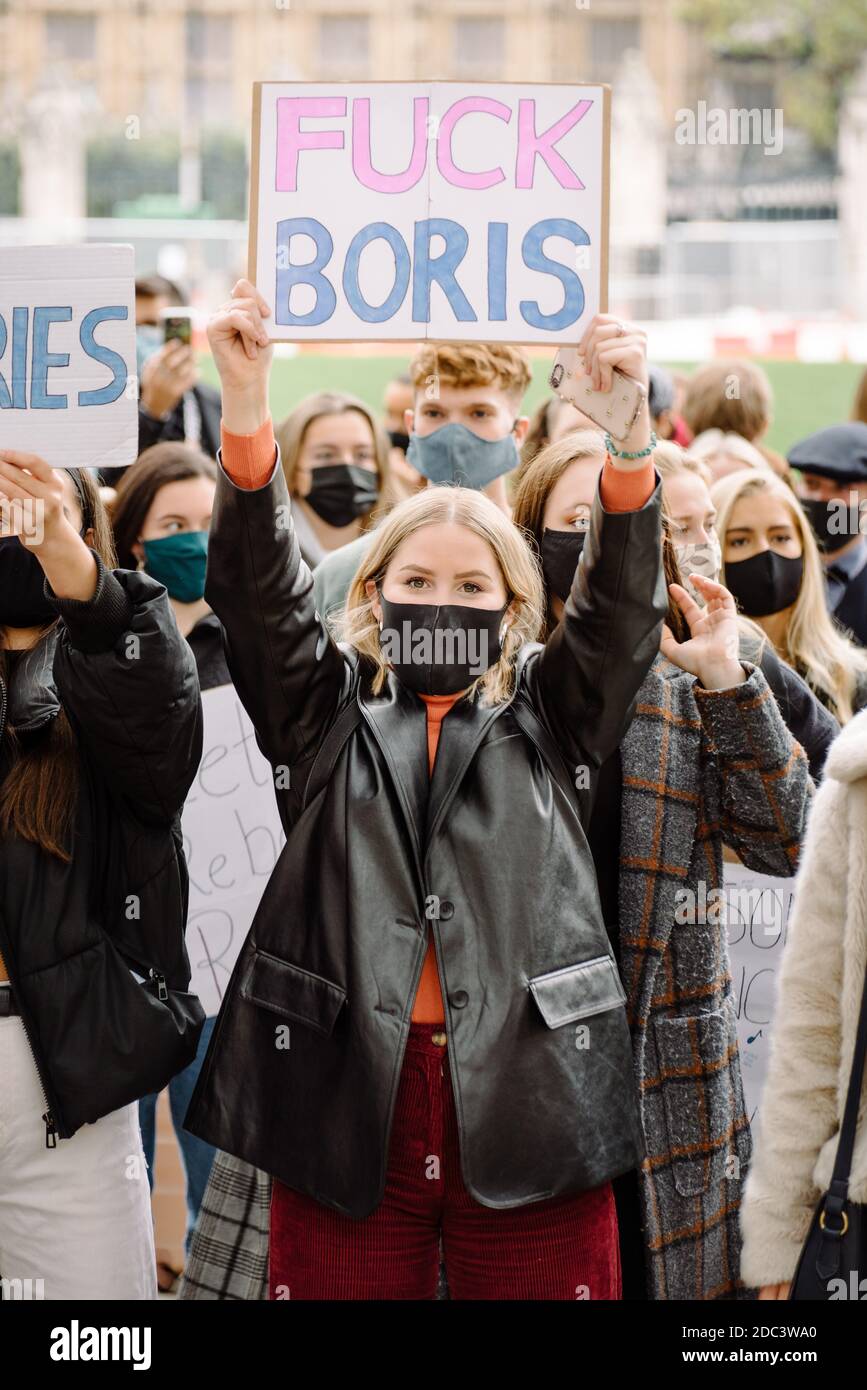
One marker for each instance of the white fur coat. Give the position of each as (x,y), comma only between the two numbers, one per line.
(818,999)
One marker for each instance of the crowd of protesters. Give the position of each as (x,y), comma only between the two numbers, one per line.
(513,1071)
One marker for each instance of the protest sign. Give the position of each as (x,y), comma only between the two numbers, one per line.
(68,389)
(441,210)
(757,909)
(232,840)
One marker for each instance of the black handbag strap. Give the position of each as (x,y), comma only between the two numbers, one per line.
(843,1161)
(329,750)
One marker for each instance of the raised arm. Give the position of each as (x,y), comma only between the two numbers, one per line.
(594,662)
(288,672)
(124,674)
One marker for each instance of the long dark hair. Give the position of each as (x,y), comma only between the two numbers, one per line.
(161,464)
(39,794)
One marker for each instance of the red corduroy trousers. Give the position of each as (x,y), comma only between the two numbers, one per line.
(561,1248)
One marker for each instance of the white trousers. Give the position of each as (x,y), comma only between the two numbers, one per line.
(75,1221)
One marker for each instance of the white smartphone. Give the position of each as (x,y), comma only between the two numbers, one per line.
(615,411)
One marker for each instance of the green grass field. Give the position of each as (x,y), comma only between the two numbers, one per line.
(807,396)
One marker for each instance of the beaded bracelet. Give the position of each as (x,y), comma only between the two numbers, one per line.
(640,454)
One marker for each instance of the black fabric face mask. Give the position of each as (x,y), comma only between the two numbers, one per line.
(399,440)
(22,578)
(439,649)
(819,517)
(560,551)
(765,583)
(340,492)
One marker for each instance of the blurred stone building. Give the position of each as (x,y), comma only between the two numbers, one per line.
(172,80)
(140,109)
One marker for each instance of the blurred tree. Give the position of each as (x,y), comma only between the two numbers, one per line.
(121,171)
(224,174)
(9,181)
(818,44)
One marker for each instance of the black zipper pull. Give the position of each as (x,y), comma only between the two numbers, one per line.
(50,1131)
(162,991)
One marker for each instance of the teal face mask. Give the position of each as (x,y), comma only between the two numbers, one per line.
(179,562)
(454,454)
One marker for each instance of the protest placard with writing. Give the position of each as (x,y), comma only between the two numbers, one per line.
(440,210)
(232,839)
(757,909)
(68,388)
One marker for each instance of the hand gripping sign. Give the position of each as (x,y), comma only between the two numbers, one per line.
(68,388)
(443,210)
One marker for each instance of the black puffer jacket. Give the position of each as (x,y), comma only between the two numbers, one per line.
(490,853)
(69,933)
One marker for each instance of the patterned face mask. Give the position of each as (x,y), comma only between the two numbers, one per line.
(699,557)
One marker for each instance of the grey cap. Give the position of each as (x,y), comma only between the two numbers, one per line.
(838,452)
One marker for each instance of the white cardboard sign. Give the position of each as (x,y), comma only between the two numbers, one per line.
(757,910)
(442,210)
(232,838)
(68,388)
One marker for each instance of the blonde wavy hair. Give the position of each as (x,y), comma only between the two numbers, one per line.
(669,458)
(829,662)
(460,506)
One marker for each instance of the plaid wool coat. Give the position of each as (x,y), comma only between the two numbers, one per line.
(700,769)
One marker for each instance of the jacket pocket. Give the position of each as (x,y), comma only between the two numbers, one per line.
(702,1100)
(293,993)
(576,991)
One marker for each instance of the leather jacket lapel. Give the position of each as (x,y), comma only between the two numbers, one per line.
(398,721)
(463,729)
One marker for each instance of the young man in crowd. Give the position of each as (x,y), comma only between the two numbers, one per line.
(464,427)
(174,406)
(832,487)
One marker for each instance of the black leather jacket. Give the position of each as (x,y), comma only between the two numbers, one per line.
(69,932)
(301,1075)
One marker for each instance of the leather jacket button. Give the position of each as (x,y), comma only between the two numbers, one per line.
(460,999)
(447,910)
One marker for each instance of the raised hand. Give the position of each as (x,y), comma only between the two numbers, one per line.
(607,343)
(166,375)
(711,651)
(32,508)
(242,352)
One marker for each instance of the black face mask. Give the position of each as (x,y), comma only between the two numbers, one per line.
(819,517)
(560,551)
(340,492)
(439,649)
(766,583)
(399,440)
(22,578)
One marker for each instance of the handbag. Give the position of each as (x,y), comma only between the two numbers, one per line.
(833,1261)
